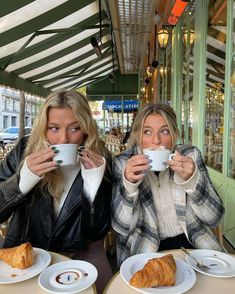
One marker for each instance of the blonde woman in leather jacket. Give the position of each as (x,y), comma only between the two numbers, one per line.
(64,209)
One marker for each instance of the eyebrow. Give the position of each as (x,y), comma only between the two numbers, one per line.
(58,123)
(163,126)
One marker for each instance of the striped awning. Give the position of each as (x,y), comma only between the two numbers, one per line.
(46,44)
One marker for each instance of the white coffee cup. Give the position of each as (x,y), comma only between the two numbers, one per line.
(68,153)
(159,158)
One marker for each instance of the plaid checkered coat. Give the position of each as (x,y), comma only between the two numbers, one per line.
(135,220)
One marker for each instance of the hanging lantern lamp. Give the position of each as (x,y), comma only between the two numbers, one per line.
(163,37)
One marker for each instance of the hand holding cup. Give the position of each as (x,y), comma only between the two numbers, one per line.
(182,165)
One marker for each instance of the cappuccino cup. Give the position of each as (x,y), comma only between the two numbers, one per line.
(68,153)
(159,158)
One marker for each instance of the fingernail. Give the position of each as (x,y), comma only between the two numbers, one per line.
(164,163)
(147,156)
(59,161)
(150,160)
(56,151)
(53,147)
(80,148)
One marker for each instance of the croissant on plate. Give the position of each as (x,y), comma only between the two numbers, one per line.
(156,272)
(20,256)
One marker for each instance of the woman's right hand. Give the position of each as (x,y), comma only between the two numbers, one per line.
(41,162)
(136,168)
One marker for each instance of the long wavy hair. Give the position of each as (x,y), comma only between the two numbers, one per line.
(162,109)
(81,110)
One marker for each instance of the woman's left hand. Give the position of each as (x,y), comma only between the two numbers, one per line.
(184,166)
(89,158)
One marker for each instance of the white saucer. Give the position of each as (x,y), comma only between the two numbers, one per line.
(71,276)
(221,264)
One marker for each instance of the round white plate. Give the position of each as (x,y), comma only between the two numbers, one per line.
(71,276)
(185,275)
(221,264)
(10,275)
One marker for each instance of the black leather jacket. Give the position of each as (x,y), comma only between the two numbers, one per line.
(33,218)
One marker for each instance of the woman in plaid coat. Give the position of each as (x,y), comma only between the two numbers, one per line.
(154,211)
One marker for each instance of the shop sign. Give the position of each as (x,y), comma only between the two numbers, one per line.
(116,105)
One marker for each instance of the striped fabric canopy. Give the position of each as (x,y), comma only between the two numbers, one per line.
(46,44)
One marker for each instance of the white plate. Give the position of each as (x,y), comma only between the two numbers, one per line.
(221,264)
(71,276)
(10,275)
(185,275)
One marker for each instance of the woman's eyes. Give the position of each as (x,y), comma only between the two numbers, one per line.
(162,132)
(70,130)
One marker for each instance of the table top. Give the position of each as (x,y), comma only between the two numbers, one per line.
(31,286)
(204,283)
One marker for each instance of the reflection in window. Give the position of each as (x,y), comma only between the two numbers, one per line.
(215,76)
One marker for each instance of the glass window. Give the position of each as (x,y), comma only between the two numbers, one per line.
(188,30)
(14,106)
(5,121)
(215,76)
(27,121)
(13,121)
(168,75)
(6,104)
(214,127)
(165,58)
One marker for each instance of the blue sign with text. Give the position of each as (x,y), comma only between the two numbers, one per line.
(116,105)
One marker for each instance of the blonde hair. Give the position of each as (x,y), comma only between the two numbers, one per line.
(81,110)
(162,109)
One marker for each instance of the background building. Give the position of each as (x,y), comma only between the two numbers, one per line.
(10,108)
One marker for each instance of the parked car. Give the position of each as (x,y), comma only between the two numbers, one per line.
(11,134)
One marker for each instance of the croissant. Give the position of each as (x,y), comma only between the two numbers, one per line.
(20,256)
(156,272)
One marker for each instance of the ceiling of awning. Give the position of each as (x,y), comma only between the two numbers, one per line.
(132,25)
(47,43)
